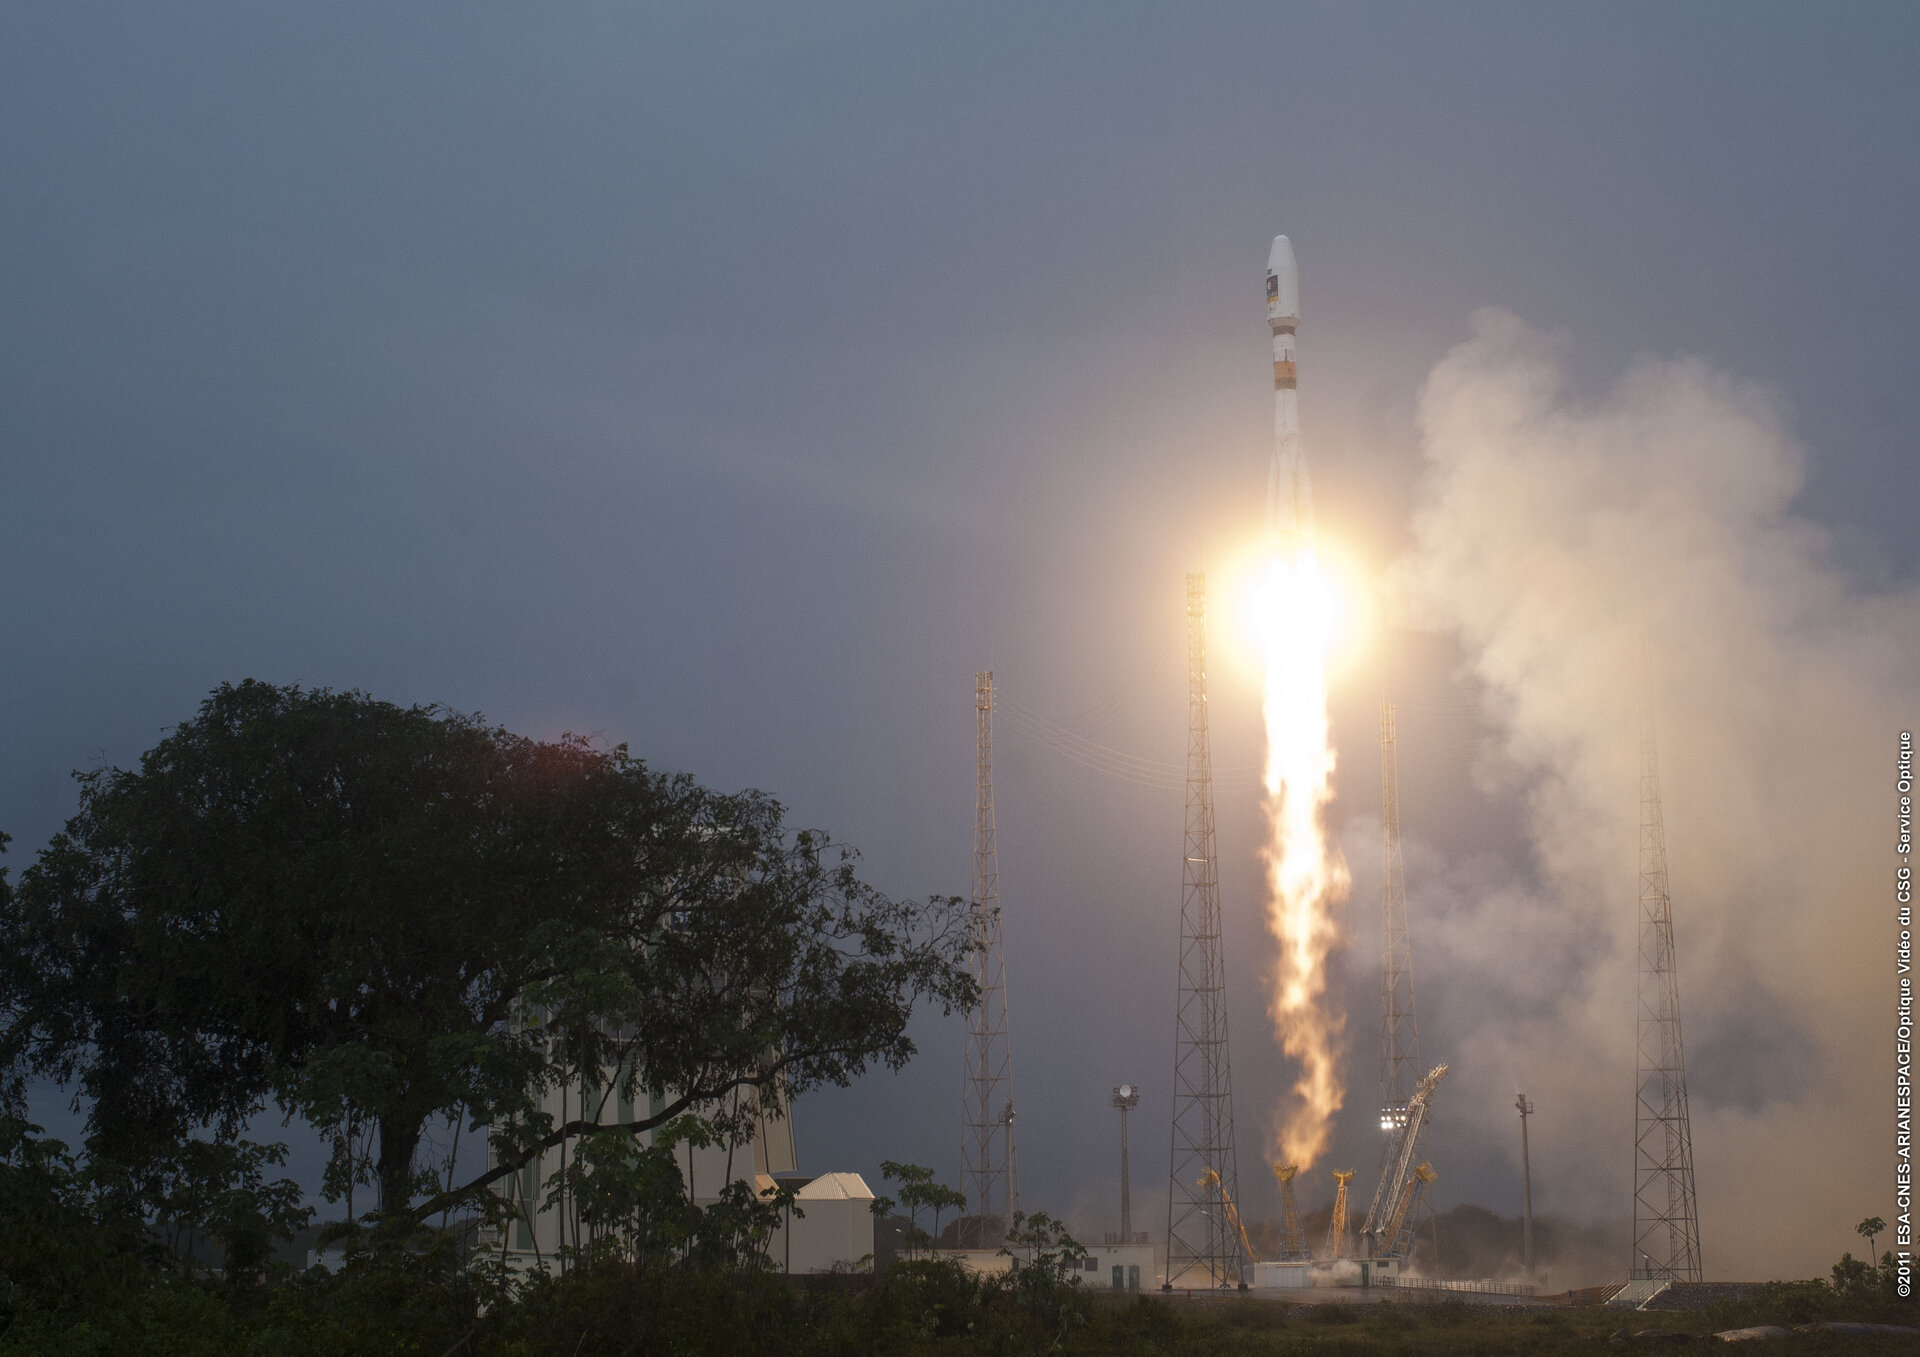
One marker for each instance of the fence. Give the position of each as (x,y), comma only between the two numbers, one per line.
(1475,1287)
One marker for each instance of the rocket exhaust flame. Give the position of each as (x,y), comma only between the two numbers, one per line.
(1306,876)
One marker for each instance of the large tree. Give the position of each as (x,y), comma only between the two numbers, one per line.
(380,917)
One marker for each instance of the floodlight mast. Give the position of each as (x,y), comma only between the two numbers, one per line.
(1126,1097)
(1525,1106)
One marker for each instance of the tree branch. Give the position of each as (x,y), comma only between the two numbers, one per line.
(442,1201)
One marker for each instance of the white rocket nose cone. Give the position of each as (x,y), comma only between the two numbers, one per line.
(1280,257)
(1283,280)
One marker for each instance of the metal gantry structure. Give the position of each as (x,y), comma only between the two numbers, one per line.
(988,1176)
(1203,1178)
(1386,1233)
(1666,1218)
(1293,1239)
(1337,1223)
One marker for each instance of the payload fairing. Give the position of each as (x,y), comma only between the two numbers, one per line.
(1289,493)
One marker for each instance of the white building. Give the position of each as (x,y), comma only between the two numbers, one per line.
(834,1226)
(1107,1267)
(1119,1267)
(1329,1272)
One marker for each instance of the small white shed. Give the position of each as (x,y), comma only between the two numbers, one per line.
(833,1226)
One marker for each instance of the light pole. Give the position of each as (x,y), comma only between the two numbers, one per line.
(1013,1171)
(1526,1187)
(1126,1097)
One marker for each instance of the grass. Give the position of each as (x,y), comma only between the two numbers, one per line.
(918,1308)
(1254,1327)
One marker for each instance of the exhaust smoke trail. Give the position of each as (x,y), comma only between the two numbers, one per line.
(1306,875)
(1559,522)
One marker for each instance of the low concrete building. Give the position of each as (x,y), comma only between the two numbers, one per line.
(1119,1267)
(1107,1267)
(986,1262)
(1329,1272)
(1282,1276)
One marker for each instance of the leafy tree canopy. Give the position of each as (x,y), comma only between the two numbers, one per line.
(377,918)
(918,1192)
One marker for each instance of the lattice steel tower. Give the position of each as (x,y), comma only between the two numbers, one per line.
(1204,1175)
(1399,1027)
(1400,1068)
(1666,1222)
(987,1164)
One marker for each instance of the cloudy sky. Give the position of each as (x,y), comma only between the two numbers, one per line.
(735,381)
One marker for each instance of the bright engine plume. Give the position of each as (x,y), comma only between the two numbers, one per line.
(1306,876)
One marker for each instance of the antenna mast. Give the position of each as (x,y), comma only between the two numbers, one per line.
(1203,1179)
(987,1104)
(1666,1223)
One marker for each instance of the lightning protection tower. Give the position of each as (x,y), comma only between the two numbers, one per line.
(1400,1067)
(987,1105)
(1399,1027)
(1202,1246)
(1666,1223)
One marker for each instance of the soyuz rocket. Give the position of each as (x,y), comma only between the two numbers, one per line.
(1289,493)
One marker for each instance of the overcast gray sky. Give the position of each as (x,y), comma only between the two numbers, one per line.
(736,380)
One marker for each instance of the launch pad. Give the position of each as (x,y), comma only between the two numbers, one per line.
(1208,1249)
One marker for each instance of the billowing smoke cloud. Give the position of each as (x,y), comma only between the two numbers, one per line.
(1553,534)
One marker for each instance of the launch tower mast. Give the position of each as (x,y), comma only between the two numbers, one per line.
(987,1171)
(1666,1223)
(1204,1174)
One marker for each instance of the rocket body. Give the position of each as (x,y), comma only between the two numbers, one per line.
(1289,493)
